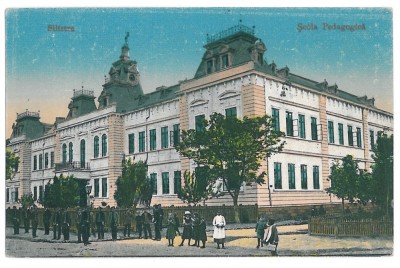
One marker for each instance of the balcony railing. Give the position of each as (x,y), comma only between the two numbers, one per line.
(28,114)
(84,92)
(231,31)
(75,165)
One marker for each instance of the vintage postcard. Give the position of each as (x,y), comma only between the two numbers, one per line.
(198,132)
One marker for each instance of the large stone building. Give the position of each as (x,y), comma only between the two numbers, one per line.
(322,123)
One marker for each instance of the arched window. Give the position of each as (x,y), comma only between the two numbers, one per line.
(104,145)
(64,153)
(96,147)
(83,149)
(71,152)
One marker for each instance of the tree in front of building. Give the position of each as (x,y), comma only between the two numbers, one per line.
(64,192)
(133,186)
(12,162)
(232,150)
(27,200)
(382,172)
(344,179)
(196,188)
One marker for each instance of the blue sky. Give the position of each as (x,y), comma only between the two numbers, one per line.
(43,67)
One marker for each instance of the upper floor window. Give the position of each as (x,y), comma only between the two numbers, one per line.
(176,135)
(231,112)
(210,66)
(165,182)
(331,133)
(164,137)
(302,126)
(153,139)
(40,161)
(224,61)
(372,139)
(34,162)
(70,151)
(104,145)
(314,129)
(64,153)
(131,143)
(350,135)
(52,159)
(46,160)
(340,130)
(359,144)
(199,122)
(142,141)
(275,119)
(83,153)
(96,147)
(289,124)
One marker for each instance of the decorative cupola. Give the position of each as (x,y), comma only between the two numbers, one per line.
(81,103)
(323,85)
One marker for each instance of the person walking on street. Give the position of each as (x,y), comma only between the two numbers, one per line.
(66,222)
(34,219)
(27,217)
(16,219)
(260,228)
(78,225)
(46,221)
(171,230)
(187,228)
(196,231)
(128,222)
(271,238)
(139,223)
(100,219)
(202,232)
(146,225)
(219,224)
(114,223)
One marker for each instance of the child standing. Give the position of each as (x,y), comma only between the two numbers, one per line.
(171,229)
(260,227)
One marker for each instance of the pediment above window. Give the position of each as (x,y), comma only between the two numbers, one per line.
(198,102)
(228,94)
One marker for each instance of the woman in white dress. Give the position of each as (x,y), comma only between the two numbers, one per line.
(219,229)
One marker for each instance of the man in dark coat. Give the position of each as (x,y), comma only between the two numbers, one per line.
(146,224)
(57,222)
(78,224)
(139,218)
(66,222)
(100,220)
(46,221)
(16,219)
(202,232)
(128,222)
(85,226)
(157,222)
(34,219)
(114,223)
(196,230)
(27,218)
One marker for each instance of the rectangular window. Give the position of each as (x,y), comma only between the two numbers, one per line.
(41,193)
(277,175)
(289,124)
(359,144)
(302,126)
(40,161)
(340,129)
(153,140)
(175,135)
(331,133)
(350,135)
(104,187)
(164,137)
(16,195)
(314,131)
(35,193)
(303,169)
(371,139)
(209,66)
(231,112)
(199,122)
(177,181)
(260,58)
(225,61)
(153,181)
(46,160)
(291,175)
(316,177)
(34,162)
(131,143)
(165,182)
(275,119)
(142,141)
(96,188)
(7,195)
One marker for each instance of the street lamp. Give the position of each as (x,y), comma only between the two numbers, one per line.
(88,191)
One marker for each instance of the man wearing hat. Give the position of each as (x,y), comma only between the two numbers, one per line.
(187,228)
(219,229)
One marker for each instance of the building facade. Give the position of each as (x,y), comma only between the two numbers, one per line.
(322,123)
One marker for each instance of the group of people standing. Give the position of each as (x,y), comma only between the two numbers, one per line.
(267,234)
